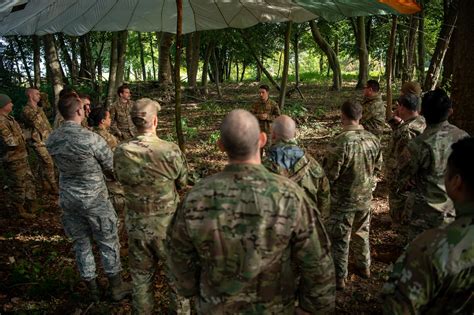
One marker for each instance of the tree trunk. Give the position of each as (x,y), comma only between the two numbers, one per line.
(463,78)
(408,66)
(23,59)
(216,73)
(244,66)
(192,59)
(363,53)
(442,45)
(421,47)
(389,71)
(448,63)
(286,63)
(331,55)
(297,63)
(258,77)
(164,62)
(152,56)
(142,56)
(399,57)
(112,70)
(205,68)
(86,69)
(52,62)
(36,61)
(67,58)
(177,76)
(121,54)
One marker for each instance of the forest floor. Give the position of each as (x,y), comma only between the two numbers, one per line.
(37,265)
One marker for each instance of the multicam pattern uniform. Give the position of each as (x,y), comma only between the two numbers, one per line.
(122,126)
(424,162)
(13,155)
(288,159)
(82,158)
(241,240)
(38,125)
(435,275)
(149,170)
(373,114)
(400,138)
(266,112)
(350,163)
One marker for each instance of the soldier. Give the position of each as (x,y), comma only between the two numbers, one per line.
(350,164)
(150,170)
(66,91)
(266,110)
(435,274)
(39,127)
(422,165)
(86,102)
(99,120)
(122,125)
(83,158)
(373,115)
(247,241)
(412,125)
(13,155)
(286,158)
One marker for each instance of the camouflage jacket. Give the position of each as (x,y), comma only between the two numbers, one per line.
(82,158)
(266,112)
(288,159)
(37,123)
(435,275)
(239,239)
(150,169)
(400,137)
(112,142)
(423,162)
(12,141)
(350,165)
(373,114)
(122,126)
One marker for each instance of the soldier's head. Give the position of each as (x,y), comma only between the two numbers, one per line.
(407,105)
(436,106)
(263,92)
(371,88)
(145,115)
(124,93)
(241,138)
(33,95)
(459,176)
(411,88)
(351,113)
(6,104)
(99,117)
(71,108)
(86,102)
(67,91)
(283,128)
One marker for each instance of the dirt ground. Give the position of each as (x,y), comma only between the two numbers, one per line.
(37,266)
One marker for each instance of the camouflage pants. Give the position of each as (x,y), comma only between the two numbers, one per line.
(103,229)
(20,180)
(396,201)
(46,165)
(143,259)
(352,227)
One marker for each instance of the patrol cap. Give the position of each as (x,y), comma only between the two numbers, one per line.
(143,111)
(411,88)
(4,100)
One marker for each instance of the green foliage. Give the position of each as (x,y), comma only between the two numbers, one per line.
(213,107)
(295,110)
(213,137)
(188,131)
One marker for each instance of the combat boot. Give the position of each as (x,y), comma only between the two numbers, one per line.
(22,211)
(119,289)
(94,293)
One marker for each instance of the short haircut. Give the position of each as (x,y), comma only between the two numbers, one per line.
(28,90)
(409,101)
(122,88)
(374,85)
(435,106)
(460,162)
(68,105)
(264,87)
(240,134)
(84,96)
(284,127)
(67,91)
(352,110)
(96,116)
(143,112)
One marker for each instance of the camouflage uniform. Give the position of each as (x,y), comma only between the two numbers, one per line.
(58,120)
(40,129)
(435,274)
(246,241)
(122,126)
(13,155)
(82,158)
(288,159)
(149,170)
(350,164)
(269,109)
(424,162)
(111,140)
(400,138)
(373,114)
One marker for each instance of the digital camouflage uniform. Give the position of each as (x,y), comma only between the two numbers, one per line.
(14,155)
(423,162)
(82,158)
(246,241)
(350,163)
(373,114)
(266,112)
(149,170)
(400,137)
(39,127)
(288,159)
(435,275)
(122,126)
